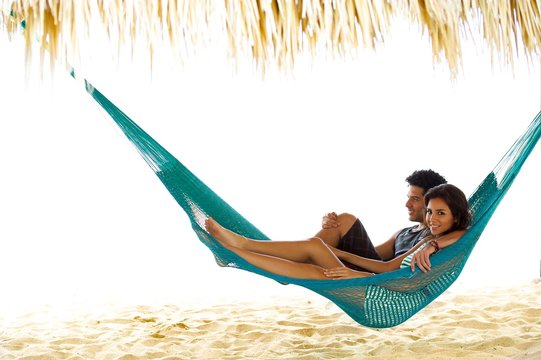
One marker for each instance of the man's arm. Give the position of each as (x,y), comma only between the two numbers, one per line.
(386,249)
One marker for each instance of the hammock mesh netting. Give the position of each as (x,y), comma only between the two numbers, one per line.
(383,300)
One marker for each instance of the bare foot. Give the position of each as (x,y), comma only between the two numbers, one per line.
(223,235)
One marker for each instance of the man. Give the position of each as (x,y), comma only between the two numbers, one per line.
(347,233)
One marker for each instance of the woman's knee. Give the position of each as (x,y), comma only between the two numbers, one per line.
(317,242)
(318,247)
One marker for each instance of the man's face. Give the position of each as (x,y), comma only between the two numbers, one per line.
(416,203)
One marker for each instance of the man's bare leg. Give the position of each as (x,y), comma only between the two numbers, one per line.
(333,235)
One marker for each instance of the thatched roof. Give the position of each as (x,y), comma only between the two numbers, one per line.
(276,32)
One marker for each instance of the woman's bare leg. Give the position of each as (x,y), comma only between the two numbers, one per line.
(312,251)
(281,266)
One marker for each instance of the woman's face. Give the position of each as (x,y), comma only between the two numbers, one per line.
(438,216)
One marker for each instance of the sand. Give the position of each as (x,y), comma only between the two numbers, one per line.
(496,323)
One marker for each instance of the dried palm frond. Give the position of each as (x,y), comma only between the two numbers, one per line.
(275,32)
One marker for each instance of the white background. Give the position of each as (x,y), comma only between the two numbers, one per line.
(82,217)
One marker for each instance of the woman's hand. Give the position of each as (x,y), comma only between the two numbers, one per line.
(422,258)
(344,273)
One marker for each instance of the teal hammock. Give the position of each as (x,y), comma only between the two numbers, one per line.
(379,301)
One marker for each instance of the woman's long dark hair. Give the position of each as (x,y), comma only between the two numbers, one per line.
(457,202)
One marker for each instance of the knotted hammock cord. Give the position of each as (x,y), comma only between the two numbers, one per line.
(379,301)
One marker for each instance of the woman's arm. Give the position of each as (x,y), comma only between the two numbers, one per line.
(376,266)
(422,257)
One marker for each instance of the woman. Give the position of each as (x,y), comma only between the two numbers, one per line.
(447,216)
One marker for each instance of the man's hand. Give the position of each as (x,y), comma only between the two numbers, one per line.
(422,258)
(344,273)
(330,221)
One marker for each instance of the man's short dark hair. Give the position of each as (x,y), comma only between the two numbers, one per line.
(425,179)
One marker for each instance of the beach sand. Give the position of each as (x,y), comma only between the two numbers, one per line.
(496,323)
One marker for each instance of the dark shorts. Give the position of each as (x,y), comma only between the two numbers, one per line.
(357,241)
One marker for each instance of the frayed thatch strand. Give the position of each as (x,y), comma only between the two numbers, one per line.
(274,32)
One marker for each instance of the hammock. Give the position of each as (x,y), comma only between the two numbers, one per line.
(379,301)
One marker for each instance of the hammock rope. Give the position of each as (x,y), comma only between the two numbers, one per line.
(379,301)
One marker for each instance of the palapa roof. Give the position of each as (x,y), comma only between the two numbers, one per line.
(276,32)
